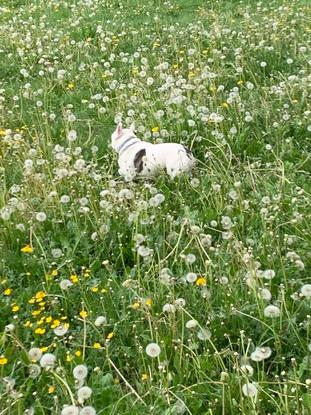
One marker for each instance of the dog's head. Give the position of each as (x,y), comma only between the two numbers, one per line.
(120,135)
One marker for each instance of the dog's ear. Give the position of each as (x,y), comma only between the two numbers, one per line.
(132,127)
(119,129)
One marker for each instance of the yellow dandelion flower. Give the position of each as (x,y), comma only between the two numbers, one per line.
(27,249)
(135,306)
(15,308)
(54,273)
(40,330)
(144,376)
(51,389)
(148,302)
(83,313)
(55,324)
(201,281)
(155,129)
(3,360)
(71,85)
(78,353)
(110,335)
(94,289)
(8,291)
(32,300)
(39,295)
(43,349)
(48,319)
(240,82)
(36,313)
(96,345)
(74,278)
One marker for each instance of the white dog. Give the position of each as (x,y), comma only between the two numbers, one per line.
(139,158)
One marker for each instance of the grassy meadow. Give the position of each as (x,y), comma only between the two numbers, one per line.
(162,297)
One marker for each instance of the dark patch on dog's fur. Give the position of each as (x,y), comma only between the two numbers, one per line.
(138,160)
(188,152)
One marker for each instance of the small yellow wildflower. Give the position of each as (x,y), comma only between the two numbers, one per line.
(32,300)
(78,353)
(28,324)
(148,302)
(3,360)
(240,82)
(8,291)
(71,85)
(68,358)
(135,306)
(2,131)
(15,308)
(40,330)
(39,295)
(48,319)
(74,278)
(110,335)
(54,273)
(96,345)
(43,349)
(144,376)
(94,289)
(155,129)
(225,105)
(27,249)
(83,313)
(55,324)
(51,389)
(201,281)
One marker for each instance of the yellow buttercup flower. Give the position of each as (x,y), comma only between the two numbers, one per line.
(3,360)
(155,129)
(40,330)
(135,306)
(148,302)
(15,308)
(78,353)
(201,281)
(144,376)
(96,345)
(8,291)
(110,335)
(83,313)
(74,278)
(51,389)
(27,249)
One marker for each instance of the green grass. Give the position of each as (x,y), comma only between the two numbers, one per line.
(246,209)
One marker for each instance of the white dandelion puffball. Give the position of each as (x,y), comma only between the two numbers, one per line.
(61,330)
(268,274)
(247,370)
(191,324)
(153,350)
(250,390)
(191,277)
(80,372)
(48,360)
(84,393)
(306,290)
(35,354)
(169,308)
(272,311)
(266,294)
(41,216)
(204,334)
(261,353)
(65,284)
(70,410)
(34,371)
(87,410)
(100,321)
